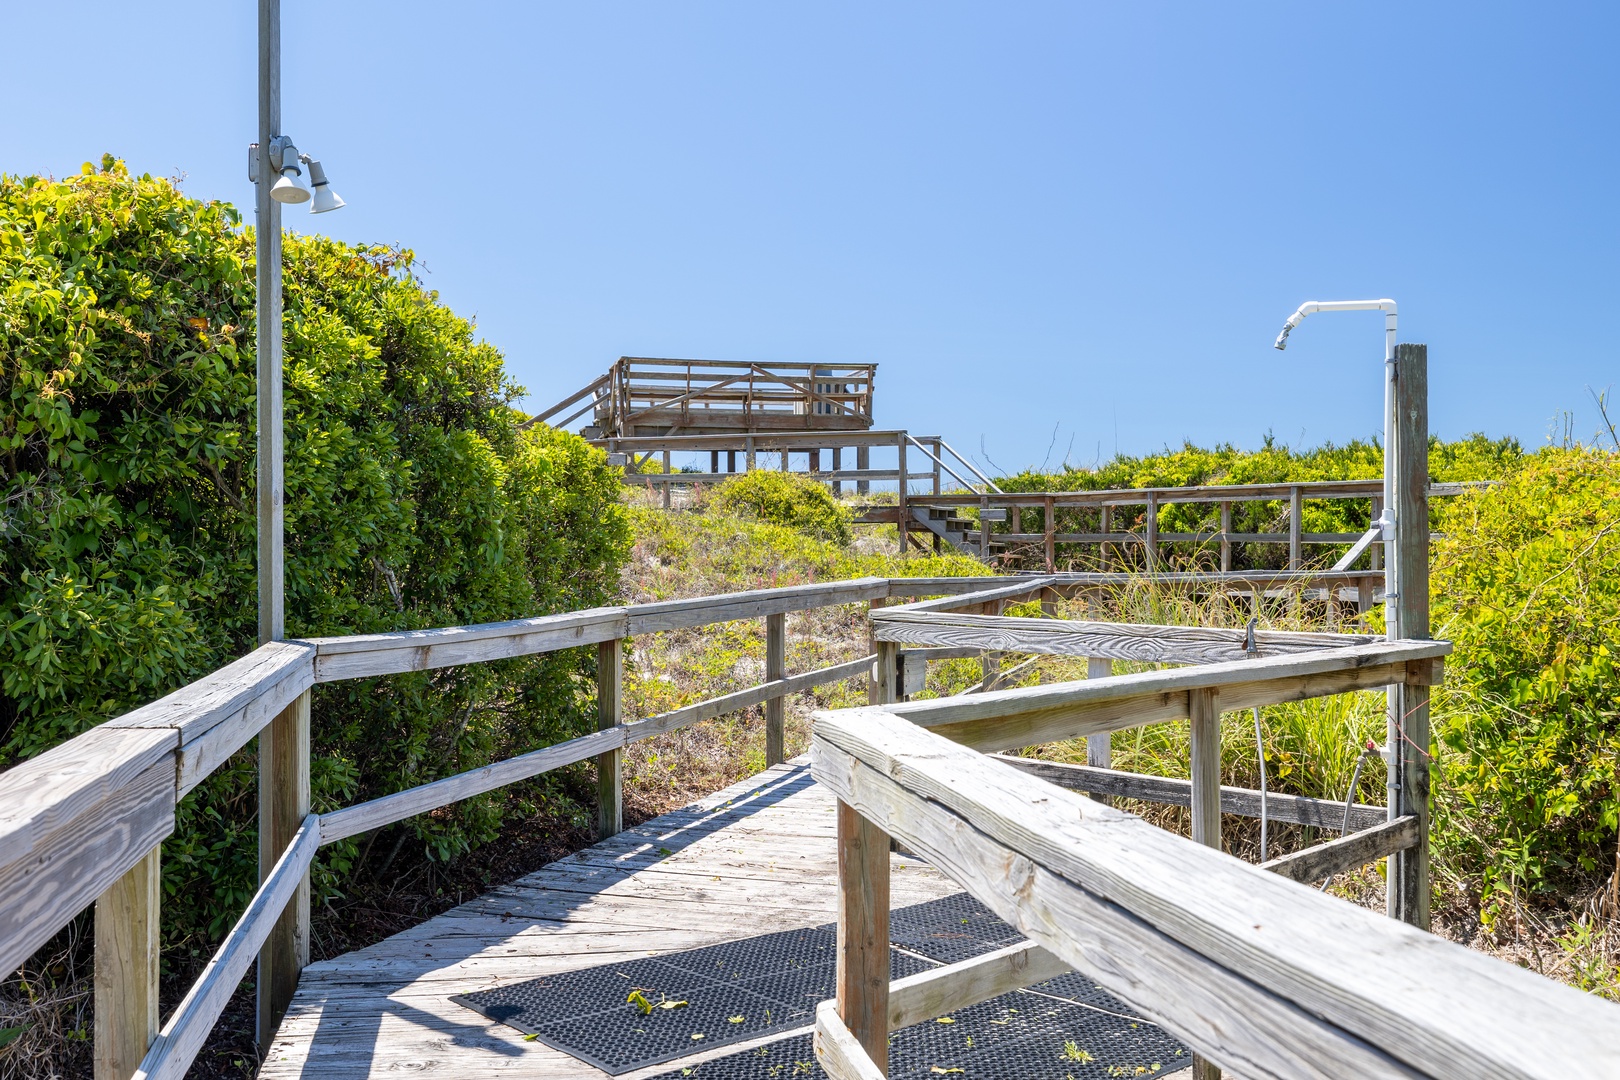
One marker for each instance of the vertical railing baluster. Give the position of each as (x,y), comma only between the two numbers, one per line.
(775,668)
(283,805)
(126,966)
(609,714)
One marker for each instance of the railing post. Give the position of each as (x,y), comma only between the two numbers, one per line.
(984,527)
(126,993)
(1205,715)
(775,668)
(1296,511)
(668,487)
(863,461)
(1408,742)
(748,453)
(902,514)
(283,805)
(1105,526)
(863,933)
(1152,533)
(1099,748)
(939,457)
(885,688)
(609,714)
(1050,527)
(837,467)
(1226,536)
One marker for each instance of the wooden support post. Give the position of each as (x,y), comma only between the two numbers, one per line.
(885,687)
(1408,881)
(609,714)
(1152,545)
(1206,799)
(668,487)
(903,513)
(1049,525)
(813,464)
(714,461)
(283,805)
(1296,513)
(939,456)
(126,993)
(984,528)
(838,466)
(748,453)
(1106,526)
(775,668)
(863,933)
(863,461)
(1226,535)
(1099,748)
(731,461)
(784,459)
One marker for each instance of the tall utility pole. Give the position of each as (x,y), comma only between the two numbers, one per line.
(284,743)
(267,280)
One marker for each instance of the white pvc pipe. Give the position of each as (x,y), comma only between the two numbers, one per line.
(1387,306)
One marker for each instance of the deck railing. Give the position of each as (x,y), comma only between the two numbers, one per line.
(1257,973)
(84,822)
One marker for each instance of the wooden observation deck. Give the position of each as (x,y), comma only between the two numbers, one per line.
(650,397)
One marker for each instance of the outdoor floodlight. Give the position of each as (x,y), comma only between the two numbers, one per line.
(289,188)
(325,198)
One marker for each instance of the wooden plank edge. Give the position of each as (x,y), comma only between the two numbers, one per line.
(934,993)
(838,1052)
(1348,852)
(1173,791)
(387,809)
(742,699)
(177,1044)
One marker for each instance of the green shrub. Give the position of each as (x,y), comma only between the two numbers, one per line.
(412,500)
(788,499)
(1473,457)
(1527,585)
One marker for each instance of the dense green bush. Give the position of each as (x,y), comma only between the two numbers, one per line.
(1527,584)
(782,498)
(413,499)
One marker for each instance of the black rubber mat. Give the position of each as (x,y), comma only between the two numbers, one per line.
(951,929)
(731,992)
(740,990)
(1018,1036)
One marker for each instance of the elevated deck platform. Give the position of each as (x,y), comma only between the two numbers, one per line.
(752,859)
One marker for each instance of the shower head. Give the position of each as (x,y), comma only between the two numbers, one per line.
(1310,307)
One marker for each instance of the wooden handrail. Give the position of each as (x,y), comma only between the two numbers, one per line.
(94,807)
(1257,973)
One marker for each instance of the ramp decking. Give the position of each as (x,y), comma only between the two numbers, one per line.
(751,859)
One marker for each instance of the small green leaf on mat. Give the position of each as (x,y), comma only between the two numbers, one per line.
(699,1035)
(531,1038)
(942,1072)
(671,1004)
(639,1000)
(946,1020)
(735,1019)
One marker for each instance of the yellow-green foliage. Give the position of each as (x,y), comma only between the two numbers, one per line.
(413,499)
(1526,582)
(783,498)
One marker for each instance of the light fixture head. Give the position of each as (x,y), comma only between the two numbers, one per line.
(290,188)
(324,197)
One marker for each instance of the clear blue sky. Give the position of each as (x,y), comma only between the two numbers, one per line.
(1088,217)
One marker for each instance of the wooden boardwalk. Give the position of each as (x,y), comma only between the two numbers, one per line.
(754,858)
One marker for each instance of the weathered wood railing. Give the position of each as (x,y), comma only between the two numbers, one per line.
(1255,972)
(84,822)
